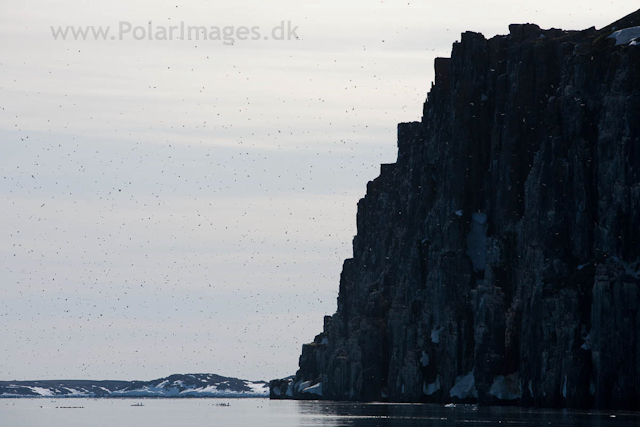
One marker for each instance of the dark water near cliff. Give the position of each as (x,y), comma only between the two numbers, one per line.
(263,412)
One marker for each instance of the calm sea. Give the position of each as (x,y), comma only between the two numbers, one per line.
(264,412)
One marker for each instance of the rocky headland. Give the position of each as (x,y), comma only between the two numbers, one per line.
(498,260)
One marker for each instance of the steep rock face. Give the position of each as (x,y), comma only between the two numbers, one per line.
(498,260)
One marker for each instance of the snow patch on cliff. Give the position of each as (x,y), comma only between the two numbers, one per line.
(506,388)
(314,389)
(424,360)
(303,385)
(587,343)
(429,389)
(435,335)
(465,387)
(627,35)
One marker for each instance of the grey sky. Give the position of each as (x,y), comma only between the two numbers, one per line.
(185,206)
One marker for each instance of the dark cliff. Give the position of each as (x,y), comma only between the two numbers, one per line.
(497,261)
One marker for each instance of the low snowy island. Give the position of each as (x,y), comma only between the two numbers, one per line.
(188,385)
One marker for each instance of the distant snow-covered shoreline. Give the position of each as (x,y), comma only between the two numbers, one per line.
(174,386)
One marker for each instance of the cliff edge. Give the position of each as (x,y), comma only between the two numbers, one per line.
(498,260)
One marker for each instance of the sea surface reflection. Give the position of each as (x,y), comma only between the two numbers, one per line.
(378,414)
(264,412)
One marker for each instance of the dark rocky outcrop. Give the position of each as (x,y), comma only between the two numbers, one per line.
(498,260)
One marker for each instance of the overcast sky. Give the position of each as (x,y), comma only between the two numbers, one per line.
(185,206)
